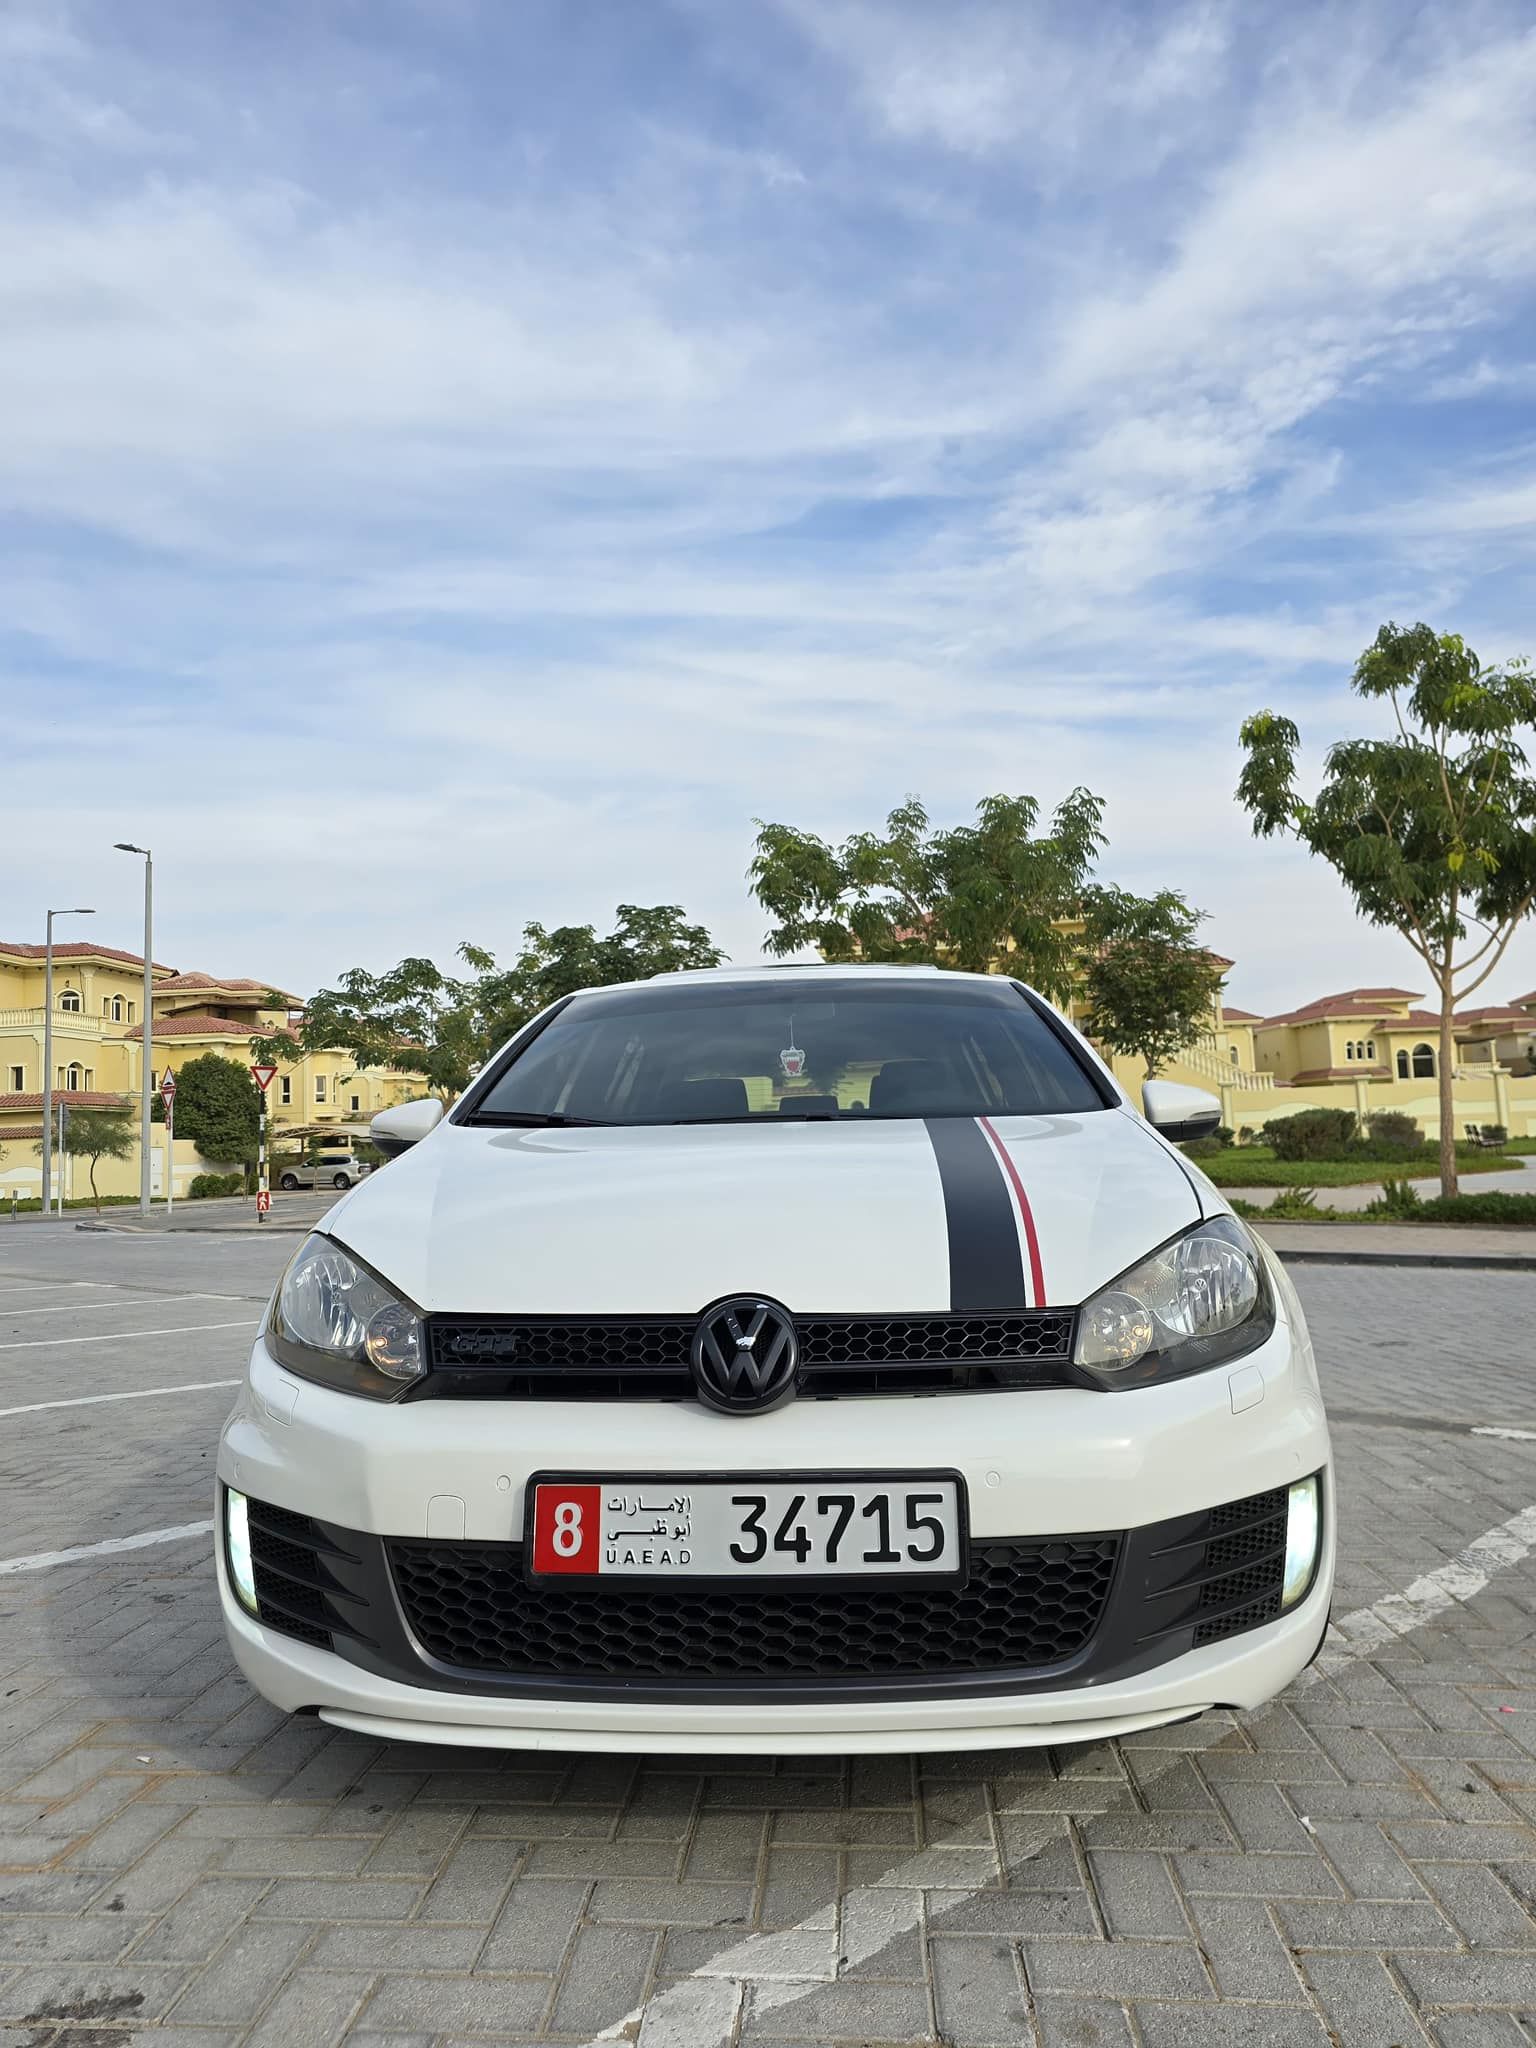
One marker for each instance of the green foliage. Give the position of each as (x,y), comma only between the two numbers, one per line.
(1294,1205)
(1432,829)
(1148,986)
(1312,1134)
(1394,1130)
(1255,1166)
(1224,1134)
(421,1021)
(95,1134)
(970,897)
(217,1107)
(1493,1206)
(1399,1199)
(205,1186)
(1204,1148)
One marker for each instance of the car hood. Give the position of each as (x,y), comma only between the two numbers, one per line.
(937,1214)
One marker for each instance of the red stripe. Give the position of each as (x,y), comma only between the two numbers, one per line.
(1036,1272)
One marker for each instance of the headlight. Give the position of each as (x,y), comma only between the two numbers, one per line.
(1199,1301)
(334,1321)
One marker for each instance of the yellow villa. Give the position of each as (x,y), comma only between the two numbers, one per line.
(1364,1049)
(98,1037)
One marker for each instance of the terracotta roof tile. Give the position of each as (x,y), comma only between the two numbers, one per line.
(1234,1016)
(76,949)
(194,1025)
(1358,1070)
(224,983)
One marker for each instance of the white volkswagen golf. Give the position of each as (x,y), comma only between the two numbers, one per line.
(780,1360)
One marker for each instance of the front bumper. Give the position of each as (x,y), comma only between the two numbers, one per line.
(1144,1465)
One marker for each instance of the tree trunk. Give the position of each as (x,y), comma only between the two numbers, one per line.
(96,1199)
(1447,1091)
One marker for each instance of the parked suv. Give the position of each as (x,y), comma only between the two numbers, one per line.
(781,1360)
(334,1166)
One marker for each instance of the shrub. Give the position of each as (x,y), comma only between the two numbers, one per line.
(205,1186)
(1203,1148)
(1312,1134)
(1224,1134)
(1295,1205)
(1399,1199)
(1493,1207)
(1496,1134)
(1394,1130)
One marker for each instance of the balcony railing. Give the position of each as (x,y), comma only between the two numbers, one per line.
(76,1022)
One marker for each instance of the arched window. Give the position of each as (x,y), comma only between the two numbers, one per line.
(1423,1062)
(1402,1064)
(1370,1050)
(1232,1055)
(117,1009)
(70,1000)
(75,1077)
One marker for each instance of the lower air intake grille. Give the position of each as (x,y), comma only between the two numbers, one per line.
(297,1593)
(1248,1560)
(1026,1605)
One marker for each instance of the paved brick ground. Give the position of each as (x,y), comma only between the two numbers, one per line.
(180,1865)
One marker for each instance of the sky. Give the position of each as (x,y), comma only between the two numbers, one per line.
(461,461)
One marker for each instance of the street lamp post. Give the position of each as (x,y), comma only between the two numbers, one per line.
(147,1063)
(48,1051)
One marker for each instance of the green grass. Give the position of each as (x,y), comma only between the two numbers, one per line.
(34,1205)
(1255,1166)
(1493,1209)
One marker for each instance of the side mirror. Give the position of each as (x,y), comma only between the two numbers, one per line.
(1179,1113)
(396,1130)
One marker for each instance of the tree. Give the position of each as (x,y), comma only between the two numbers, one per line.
(1149,987)
(969,897)
(95,1134)
(217,1107)
(1432,830)
(421,1021)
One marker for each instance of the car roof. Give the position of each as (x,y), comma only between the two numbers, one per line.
(765,972)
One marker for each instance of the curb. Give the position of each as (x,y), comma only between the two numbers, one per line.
(1466,1262)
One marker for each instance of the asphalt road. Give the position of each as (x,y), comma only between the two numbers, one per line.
(180,1864)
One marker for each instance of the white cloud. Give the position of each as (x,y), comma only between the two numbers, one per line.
(948,402)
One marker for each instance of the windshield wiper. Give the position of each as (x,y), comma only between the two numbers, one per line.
(534,1119)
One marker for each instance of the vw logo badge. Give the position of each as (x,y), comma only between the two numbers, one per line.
(745,1355)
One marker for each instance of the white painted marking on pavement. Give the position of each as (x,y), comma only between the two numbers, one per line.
(135,1394)
(783,1967)
(1518,1436)
(44,1560)
(54,1287)
(124,1336)
(61,1308)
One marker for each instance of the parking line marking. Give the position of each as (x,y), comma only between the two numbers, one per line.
(784,1967)
(43,1560)
(1514,1436)
(60,1308)
(120,1336)
(134,1394)
(53,1287)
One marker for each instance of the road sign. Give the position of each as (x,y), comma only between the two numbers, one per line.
(263,1201)
(263,1077)
(168,1085)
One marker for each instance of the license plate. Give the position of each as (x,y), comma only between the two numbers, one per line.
(806,1527)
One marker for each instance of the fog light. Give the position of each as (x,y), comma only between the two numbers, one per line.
(237,1516)
(1303,1523)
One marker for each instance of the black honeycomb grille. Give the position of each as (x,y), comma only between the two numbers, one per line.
(639,1358)
(1026,1605)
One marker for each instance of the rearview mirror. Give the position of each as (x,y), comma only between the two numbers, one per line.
(1180,1113)
(396,1130)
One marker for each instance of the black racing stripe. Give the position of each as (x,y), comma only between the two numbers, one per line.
(986,1260)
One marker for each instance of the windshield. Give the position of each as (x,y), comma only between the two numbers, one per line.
(700,1054)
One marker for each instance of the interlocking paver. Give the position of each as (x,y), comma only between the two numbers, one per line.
(260,1873)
